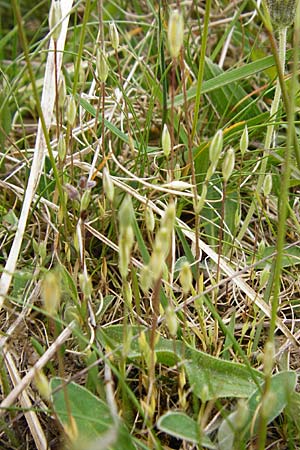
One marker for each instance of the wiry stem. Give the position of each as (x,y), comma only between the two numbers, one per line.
(269,135)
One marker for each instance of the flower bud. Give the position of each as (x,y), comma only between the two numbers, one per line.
(51,292)
(55,16)
(244,141)
(42,384)
(261,249)
(171,321)
(267,186)
(72,192)
(146,279)
(85,201)
(162,241)
(149,219)
(177,171)
(126,213)
(126,240)
(71,110)
(62,92)
(282,12)
(264,276)
(215,147)
(166,141)
(85,284)
(156,263)
(114,35)
(269,357)
(175,33)
(101,65)
(61,147)
(186,277)
(228,164)
(108,185)
(127,292)
(168,219)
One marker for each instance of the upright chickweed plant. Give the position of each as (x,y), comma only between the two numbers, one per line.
(163,272)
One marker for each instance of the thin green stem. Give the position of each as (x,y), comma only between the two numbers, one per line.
(81,44)
(269,134)
(201,66)
(24,42)
(284,191)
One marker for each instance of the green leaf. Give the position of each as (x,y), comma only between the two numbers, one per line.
(281,389)
(207,375)
(92,415)
(229,95)
(282,386)
(181,426)
(291,257)
(230,76)
(215,378)
(115,130)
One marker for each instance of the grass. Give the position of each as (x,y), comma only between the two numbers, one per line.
(149,287)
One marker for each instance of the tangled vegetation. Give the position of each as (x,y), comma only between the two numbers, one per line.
(149,237)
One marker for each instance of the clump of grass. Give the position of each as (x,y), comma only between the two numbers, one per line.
(149,243)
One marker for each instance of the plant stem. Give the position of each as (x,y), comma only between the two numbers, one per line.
(270,133)
(284,190)
(201,66)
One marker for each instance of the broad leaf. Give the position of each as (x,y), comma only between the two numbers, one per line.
(181,426)
(92,416)
(281,391)
(209,376)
